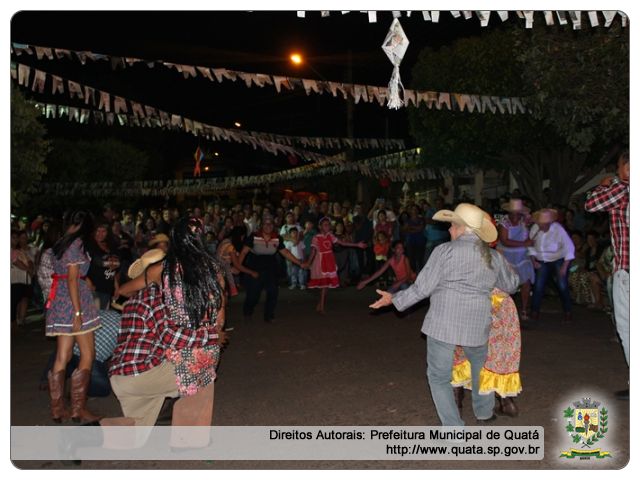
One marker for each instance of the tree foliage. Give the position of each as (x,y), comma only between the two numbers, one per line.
(29,147)
(575,126)
(580,83)
(107,160)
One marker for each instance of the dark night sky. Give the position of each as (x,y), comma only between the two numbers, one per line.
(258,42)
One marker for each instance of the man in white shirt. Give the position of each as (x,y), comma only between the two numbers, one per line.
(551,255)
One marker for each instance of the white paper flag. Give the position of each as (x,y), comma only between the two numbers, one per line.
(575,16)
(23,75)
(528,15)
(609,15)
(562,18)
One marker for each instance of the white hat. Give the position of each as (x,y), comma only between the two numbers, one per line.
(138,267)
(515,205)
(545,215)
(470,216)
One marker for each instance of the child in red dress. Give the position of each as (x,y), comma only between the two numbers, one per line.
(324,272)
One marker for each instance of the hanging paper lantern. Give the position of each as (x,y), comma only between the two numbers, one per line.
(323,196)
(395,45)
(385,182)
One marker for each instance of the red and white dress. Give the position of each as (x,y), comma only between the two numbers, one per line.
(324,272)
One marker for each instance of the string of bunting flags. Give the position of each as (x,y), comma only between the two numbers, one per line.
(472,103)
(398,167)
(563,16)
(112,108)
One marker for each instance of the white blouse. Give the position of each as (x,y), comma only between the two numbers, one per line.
(551,245)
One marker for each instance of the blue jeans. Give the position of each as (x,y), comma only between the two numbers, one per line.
(546,270)
(297,276)
(439,366)
(621,295)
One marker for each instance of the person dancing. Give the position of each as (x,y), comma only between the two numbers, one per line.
(72,317)
(192,284)
(501,370)
(458,278)
(324,271)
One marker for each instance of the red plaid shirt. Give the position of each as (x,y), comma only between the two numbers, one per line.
(615,200)
(146,332)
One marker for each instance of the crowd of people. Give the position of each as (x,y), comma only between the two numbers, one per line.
(195,259)
(121,237)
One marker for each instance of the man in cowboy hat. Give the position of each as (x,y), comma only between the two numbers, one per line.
(612,195)
(551,255)
(458,277)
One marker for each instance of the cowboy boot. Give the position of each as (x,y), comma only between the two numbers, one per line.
(509,407)
(499,407)
(458,393)
(56,393)
(79,387)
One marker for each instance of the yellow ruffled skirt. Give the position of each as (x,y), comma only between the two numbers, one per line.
(500,373)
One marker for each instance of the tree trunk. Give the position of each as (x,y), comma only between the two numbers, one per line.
(566,169)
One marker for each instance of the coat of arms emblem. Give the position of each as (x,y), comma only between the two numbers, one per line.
(586,425)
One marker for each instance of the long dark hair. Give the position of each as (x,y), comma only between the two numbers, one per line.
(189,261)
(81,218)
(237,235)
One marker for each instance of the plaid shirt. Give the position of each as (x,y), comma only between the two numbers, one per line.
(105,337)
(146,332)
(615,200)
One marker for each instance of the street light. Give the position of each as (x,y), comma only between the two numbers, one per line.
(297,60)
(237,124)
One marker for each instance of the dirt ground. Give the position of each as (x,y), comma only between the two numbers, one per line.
(354,367)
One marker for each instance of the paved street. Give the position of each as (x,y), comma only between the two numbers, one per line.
(353,367)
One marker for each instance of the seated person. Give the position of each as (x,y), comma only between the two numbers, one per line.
(401,267)
(105,342)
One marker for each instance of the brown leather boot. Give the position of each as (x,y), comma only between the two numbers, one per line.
(498,409)
(56,393)
(509,407)
(458,393)
(79,387)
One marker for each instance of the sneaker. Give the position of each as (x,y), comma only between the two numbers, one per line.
(303,287)
(292,287)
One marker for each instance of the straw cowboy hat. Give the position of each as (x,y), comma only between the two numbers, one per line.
(515,205)
(472,217)
(138,267)
(158,238)
(545,215)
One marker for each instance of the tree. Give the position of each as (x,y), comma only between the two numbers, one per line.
(107,160)
(566,140)
(29,148)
